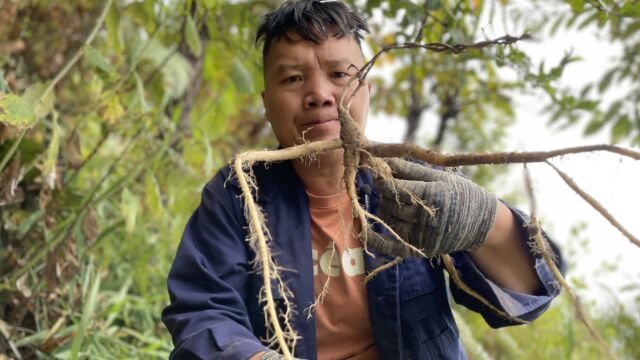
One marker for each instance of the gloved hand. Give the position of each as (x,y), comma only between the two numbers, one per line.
(464,212)
(273,355)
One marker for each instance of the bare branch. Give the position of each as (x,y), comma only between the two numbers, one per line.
(435,47)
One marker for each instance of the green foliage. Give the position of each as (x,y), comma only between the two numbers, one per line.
(16,112)
(619,24)
(110,174)
(556,334)
(192,37)
(100,187)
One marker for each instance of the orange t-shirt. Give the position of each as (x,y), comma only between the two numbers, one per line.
(343,330)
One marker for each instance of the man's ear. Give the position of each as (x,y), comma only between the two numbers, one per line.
(263,95)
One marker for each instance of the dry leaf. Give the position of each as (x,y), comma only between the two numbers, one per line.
(9,191)
(72,150)
(21,285)
(90,225)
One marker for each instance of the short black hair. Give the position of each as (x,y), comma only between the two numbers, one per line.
(310,19)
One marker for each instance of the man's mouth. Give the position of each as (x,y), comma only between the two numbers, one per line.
(318,122)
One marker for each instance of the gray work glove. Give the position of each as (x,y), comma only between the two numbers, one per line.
(273,355)
(464,212)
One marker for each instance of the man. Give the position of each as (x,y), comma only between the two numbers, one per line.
(310,50)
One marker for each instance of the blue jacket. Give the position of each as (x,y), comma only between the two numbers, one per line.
(215,313)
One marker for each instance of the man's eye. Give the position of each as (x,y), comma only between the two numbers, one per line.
(340,74)
(291,79)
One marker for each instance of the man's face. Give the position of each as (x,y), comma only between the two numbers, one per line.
(303,84)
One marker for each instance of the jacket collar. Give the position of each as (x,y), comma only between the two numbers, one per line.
(273,177)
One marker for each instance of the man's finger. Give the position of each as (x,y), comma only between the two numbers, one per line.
(388,246)
(409,192)
(407,170)
(401,227)
(391,209)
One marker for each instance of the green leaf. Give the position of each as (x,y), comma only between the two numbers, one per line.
(176,71)
(142,13)
(112,24)
(208,159)
(586,22)
(556,24)
(621,129)
(129,208)
(372,4)
(192,37)
(241,77)
(633,28)
(49,171)
(613,110)
(630,9)
(42,105)
(209,4)
(95,59)
(587,105)
(606,80)
(87,312)
(594,125)
(573,18)
(577,6)
(432,4)
(138,102)
(16,112)
(152,196)
(585,90)
(112,110)
(28,222)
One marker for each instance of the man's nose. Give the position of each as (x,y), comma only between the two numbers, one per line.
(320,93)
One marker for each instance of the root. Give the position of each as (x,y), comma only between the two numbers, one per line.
(382,268)
(455,277)
(548,258)
(358,151)
(395,235)
(542,246)
(362,152)
(381,169)
(325,287)
(433,157)
(264,261)
(595,204)
(449,160)
(352,141)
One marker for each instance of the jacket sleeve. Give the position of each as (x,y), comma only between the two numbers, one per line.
(524,306)
(208,282)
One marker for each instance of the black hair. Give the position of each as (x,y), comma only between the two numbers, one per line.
(310,19)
